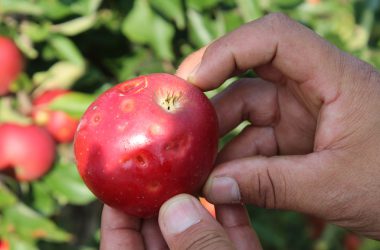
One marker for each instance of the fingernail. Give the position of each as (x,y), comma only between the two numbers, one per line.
(191,77)
(180,214)
(223,190)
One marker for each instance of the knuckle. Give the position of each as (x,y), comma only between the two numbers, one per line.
(208,239)
(277,19)
(370,74)
(266,191)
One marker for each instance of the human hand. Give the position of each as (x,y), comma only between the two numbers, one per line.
(183,224)
(315,121)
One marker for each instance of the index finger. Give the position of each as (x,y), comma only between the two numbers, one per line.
(294,50)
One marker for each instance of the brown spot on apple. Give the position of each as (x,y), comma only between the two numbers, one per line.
(127,105)
(156,129)
(95,119)
(154,186)
(135,86)
(141,161)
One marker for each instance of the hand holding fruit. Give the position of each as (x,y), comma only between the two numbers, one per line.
(312,145)
(314,109)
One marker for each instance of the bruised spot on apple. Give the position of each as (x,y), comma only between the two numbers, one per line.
(148,139)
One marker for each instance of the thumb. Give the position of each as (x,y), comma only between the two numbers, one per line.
(281,182)
(185,224)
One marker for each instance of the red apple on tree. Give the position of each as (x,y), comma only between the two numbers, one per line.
(59,124)
(10,64)
(146,140)
(4,245)
(30,150)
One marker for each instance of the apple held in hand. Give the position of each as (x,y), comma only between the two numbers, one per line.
(146,140)
(10,64)
(28,149)
(59,124)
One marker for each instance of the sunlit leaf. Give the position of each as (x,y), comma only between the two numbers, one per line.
(142,25)
(30,225)
(66,50)
(75,26)
(7,198)
(67,186)
(74,103)
(171,9)
(43,201)
(199,30)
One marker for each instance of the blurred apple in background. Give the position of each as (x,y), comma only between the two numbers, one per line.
(59,124)
(29,150)
(4,245)
(10,64)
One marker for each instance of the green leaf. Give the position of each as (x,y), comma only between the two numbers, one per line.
(74,103)
(20,7)
(36,32)
(7,198)
(162,35)
(85,7)
(61,75)
(67,186)
(250,9)
(18,243)
(55,9)
(28,224)
(171,9)
(202,4)
(8,114)
(25,44)
(232,21)
(66,50)
(137,26)
(42,199)
(143,26)
(75,26)
(198,28)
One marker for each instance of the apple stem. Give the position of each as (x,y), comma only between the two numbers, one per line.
(171,101)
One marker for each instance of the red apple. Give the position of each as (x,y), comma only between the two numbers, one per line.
(4,245)
(59,124)
(316,226)
(29,149)
(10,64)
(146,140)
(352,241)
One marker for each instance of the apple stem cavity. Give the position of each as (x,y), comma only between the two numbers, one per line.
(170,101)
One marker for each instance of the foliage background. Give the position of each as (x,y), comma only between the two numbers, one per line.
(89,45)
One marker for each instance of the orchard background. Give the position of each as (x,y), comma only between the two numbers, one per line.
(87,46)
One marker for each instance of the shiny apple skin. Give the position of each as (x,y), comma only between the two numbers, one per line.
(11,63)
(135,154)
(29,149)
(59,124)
